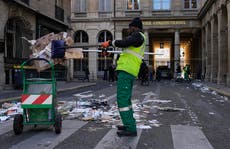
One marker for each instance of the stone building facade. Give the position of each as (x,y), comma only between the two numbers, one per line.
(171,27)
(188,32)
(215,20)
(31,19)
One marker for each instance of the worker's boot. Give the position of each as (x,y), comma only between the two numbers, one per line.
(125,133)
(121,127)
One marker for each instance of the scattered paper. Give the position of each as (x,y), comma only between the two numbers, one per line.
(211,113)
(4,118)
(144,127)
(9,110)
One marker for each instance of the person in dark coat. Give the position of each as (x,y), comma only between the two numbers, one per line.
(86,74)
(111,73)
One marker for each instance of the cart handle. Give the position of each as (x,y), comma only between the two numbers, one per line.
(38,59)
(32,59)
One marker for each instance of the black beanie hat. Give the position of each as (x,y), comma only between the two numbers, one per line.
(136,22)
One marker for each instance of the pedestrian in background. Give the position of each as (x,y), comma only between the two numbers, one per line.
(158,75)
(111,72)
(105,73)
(151,73)
(86,73)
(143,72)
(128,67)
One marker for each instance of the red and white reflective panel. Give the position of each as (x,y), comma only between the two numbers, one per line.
(36,99)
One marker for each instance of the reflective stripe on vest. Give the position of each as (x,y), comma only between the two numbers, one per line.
(130,63)
(133,53)
(140,53)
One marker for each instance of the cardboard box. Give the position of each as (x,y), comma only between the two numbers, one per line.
(73,53)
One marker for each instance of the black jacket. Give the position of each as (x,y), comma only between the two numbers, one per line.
(135,39)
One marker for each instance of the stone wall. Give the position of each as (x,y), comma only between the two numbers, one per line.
(216,41)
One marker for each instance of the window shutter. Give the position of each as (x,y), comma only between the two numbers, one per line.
(83,5)
(101,4)
(108,5)
(77,5)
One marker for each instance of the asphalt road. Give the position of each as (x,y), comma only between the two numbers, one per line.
(186,118)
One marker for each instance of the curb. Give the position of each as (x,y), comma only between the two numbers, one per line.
(220,91)
(77,87)
(58,91)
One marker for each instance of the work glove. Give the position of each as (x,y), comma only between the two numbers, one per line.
(104,51)
(106,44)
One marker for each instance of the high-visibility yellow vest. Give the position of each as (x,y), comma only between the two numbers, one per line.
(131,58)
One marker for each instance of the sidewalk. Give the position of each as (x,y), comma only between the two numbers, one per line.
(10,95)
(219,88)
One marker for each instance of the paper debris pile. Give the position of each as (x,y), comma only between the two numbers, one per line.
(8,110)
(205,89)
(42,49)
(90,108)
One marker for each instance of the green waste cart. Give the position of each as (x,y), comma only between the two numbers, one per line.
(38,101)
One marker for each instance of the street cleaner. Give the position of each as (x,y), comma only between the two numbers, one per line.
(128,67)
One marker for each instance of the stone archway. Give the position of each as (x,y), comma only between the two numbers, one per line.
(16,48)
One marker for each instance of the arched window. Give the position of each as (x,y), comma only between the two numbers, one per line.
(81,37)
(104,61)
(105,36)
(16,46)
(80,64)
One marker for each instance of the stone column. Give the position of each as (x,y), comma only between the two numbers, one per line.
(214,50)
(228,61)
(2,72)
(92,64)
(69,69)
(204,52)
(176,50)
(146,57)
(118,34)
(222,45)
(208,52)
(219,73)
(92,56)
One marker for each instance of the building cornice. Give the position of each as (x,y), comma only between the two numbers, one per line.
(119,19)
(205,8)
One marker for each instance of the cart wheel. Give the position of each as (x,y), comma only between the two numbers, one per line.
(18,124)
(58,123)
